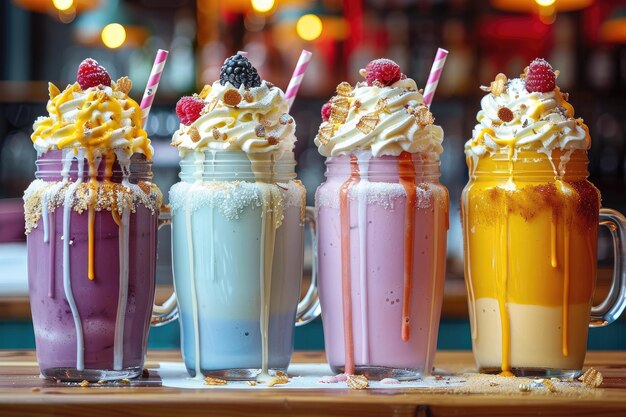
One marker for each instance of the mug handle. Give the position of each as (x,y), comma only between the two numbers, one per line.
(614,304)
(309,307)
(168,312)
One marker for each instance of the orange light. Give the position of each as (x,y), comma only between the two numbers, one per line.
(614,30)
(45,6)
(532,6)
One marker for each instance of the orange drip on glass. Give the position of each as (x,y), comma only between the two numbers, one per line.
(346,287)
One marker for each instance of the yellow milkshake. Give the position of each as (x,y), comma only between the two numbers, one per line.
(530,220)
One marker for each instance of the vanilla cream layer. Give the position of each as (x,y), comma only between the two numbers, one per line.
(536,335)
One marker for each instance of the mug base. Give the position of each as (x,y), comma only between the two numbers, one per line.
(90,375)
(237,374)
(536,372)
(376,373)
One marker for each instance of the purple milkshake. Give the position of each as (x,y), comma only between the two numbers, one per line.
(91,221)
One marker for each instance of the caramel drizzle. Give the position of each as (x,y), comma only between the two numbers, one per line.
(93,189)
(406,171)
(344,210)
(566,285)
(502,299)
(553,226)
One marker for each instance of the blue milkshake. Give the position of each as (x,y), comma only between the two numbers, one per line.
(238,217)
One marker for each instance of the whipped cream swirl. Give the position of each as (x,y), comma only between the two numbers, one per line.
(518,119)
(99,119)
(253,120)
(384,120)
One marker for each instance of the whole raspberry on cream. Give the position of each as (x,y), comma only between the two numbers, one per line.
(530,112)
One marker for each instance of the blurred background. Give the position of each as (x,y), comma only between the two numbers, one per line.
(45,40)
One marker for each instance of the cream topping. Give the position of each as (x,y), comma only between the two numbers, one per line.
(98,119)
(542,121)
(384,120)
(253,120)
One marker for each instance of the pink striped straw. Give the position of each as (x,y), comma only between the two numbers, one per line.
(435,74)
(153,84)
(296,78)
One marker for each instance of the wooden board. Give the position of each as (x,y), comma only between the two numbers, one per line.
(22,392)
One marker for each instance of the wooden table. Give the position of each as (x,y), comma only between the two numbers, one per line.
(22,392)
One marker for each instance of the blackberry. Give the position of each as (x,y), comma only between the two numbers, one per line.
(238,70)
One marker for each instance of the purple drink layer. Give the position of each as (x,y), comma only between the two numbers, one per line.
(97,301)
(91,263)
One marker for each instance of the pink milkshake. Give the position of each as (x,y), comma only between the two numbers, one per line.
(382,222)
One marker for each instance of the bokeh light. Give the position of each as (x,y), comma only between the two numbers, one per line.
(545,3)
(309,27)
(62,4)
(113,35)
(262,6)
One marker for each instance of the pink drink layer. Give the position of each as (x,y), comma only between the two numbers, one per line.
(377,239)
(96,300)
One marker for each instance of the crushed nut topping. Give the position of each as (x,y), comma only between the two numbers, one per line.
(84,383)
(285,119)
(505,114)
(232,97)
(524,387)
(357,382)
(423,116)
(279,378)
(381,106)
(549,385)
(592,378)
(248,96)
(272,140)
(344,89)
(209,380)
(259,130)
(325,134)
(497,86)
(124,85)
(368,123)
(194,134)
(339,107)
(217,135)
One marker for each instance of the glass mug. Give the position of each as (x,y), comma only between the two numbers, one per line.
(237,255)
(382,224)
(91,264)
(530,262)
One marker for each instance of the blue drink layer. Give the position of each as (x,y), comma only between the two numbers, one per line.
(219,257)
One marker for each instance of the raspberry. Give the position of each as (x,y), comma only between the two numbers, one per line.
(326,112)
(92,74)
(188,109)
(383,70)
(540,77)
(237,70)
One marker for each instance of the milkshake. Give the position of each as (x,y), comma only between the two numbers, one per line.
(91,218)
(382,220)
(530,222)
(238,218)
